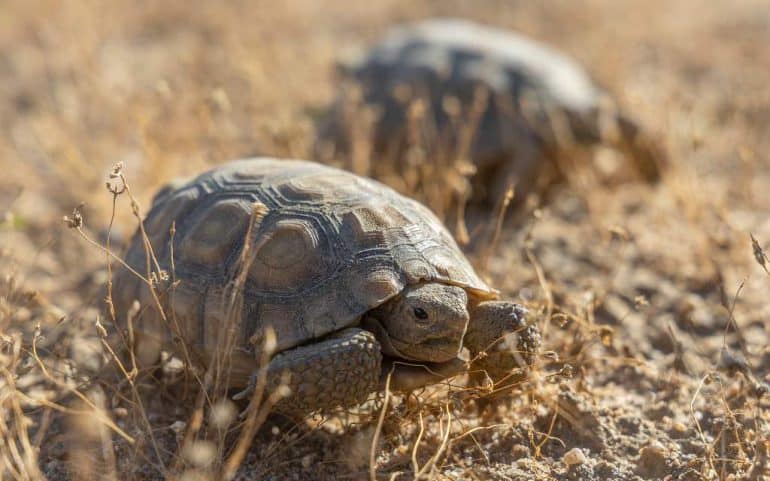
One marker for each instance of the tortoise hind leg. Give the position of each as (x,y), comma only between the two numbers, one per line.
(341,370)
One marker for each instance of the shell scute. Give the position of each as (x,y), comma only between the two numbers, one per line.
(288,256)
(164,213)
(217,231)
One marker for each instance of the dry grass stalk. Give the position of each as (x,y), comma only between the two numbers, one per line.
(420,472)
(378,429)
(505,202)
(216,377)
(18,456)
(759,254)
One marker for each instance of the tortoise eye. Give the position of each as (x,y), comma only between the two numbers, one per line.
(420,313)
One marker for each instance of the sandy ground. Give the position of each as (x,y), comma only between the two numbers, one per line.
(651,298)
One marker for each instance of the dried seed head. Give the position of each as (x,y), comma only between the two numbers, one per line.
(759,254)
(641,301)
(619,233)
(270,341)
(283,391)
(117,170)
(100,328)
(560,319)
(159,279)
(75,221)
(417,110)
(451,106)
(259,211)
(116,183)
(223,414)
(606,333)
(550,355)
(178,426)
(200,453)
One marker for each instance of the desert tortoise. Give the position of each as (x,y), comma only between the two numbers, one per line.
(343,269)
(536,103)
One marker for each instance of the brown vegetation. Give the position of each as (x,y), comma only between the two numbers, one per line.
(652,299)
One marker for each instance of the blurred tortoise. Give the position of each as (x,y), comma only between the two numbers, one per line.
(444,88)
(342,269)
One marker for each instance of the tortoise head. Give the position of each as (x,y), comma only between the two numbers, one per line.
(425,322)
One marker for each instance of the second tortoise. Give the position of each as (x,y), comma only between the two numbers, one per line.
(444,88)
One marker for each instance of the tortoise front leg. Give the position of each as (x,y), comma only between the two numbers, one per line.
(341,370)
(489,324)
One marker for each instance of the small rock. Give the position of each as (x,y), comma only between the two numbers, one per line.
(120,412)
(519,451)
(178,426)
(678,430)
(575,456)
(652,462)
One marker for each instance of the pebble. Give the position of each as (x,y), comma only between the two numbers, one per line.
(575,456)
(655,448)
(652,461)
(178,426)
(519,451)
(679,428)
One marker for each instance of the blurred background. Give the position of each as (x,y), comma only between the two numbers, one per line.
(170,87)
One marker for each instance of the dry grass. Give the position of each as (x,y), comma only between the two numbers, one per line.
(653,299)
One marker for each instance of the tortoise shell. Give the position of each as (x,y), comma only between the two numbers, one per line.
(330,247)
